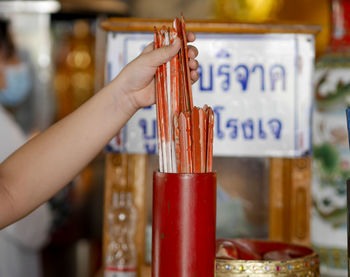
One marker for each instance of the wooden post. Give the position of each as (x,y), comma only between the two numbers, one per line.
(127,170)
(290,200)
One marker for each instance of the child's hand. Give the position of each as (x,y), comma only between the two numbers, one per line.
(136,80)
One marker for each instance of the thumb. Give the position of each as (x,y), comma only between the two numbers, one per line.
(164,54)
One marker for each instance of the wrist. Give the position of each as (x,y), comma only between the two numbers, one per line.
(122,98)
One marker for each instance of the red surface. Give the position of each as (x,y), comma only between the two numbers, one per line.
(184,215)
(249,249)
(340,40)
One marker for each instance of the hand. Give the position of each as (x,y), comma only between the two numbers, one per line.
(137,78)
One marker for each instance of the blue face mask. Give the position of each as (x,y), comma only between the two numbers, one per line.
(18,85)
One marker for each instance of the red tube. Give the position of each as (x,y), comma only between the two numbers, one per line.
(184,217)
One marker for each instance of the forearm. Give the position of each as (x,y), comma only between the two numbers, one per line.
(46,163)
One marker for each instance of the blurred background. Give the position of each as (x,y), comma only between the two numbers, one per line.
(65,48)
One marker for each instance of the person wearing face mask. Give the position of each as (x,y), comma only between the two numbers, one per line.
(15,79)
(20,243)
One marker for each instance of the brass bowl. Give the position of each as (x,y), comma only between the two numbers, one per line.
(305,265)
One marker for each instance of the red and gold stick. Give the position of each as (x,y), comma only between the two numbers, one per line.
(185,133)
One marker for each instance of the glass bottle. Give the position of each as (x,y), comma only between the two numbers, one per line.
(121,256)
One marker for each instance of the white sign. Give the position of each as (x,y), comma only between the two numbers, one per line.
(259,86)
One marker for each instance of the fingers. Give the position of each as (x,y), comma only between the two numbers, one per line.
(194,76)
(163,54)
(191,37)
(192,51)
(192,54)
(193,64)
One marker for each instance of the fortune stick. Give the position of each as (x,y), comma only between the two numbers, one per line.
(185,133)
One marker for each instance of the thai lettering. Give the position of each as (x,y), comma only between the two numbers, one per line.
(252,129)
(147,108)
(262,75)
(232,123)
(276,127)
(212,75)
(223,54)
(218,130)
(262,133)
(150,148)
(224,70)
(277,74)
(242,75)
(210,83)
(149,135)
(248,129)
(146,132)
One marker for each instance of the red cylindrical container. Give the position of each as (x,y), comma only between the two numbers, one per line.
(184,219)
